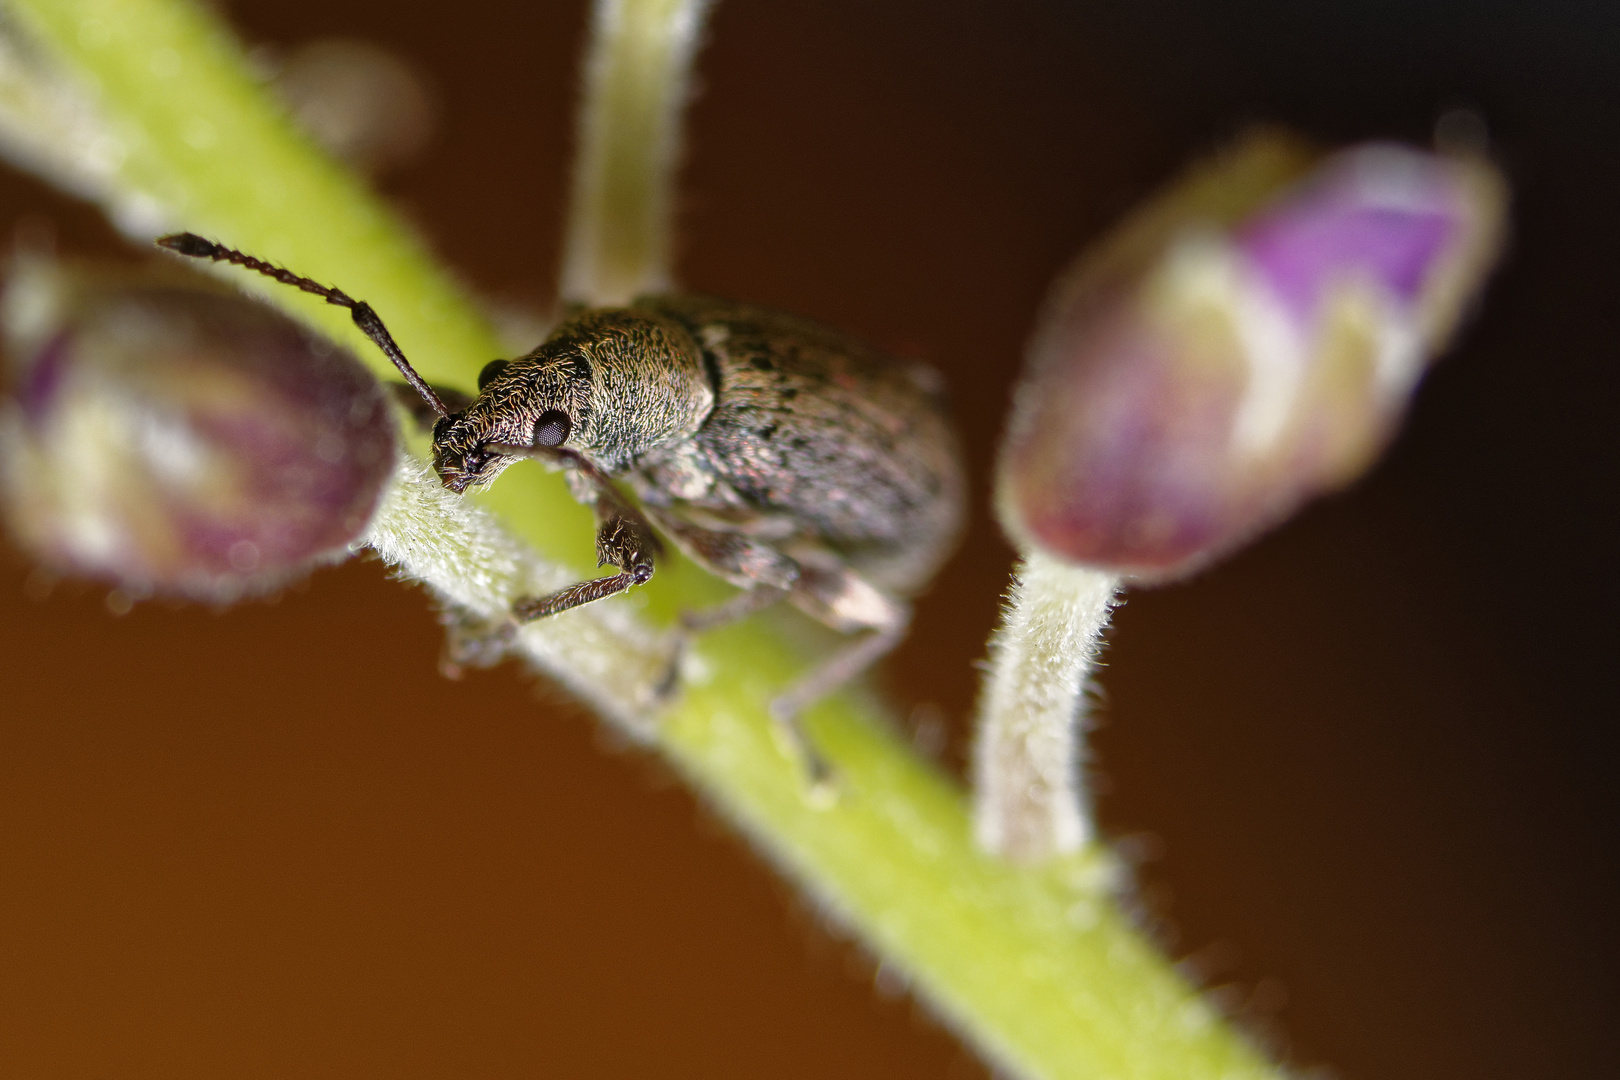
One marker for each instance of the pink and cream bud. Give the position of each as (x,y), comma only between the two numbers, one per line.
(177,438)
(1247,341)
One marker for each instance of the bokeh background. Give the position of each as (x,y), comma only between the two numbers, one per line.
(1365,769)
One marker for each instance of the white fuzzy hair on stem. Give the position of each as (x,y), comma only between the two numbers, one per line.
(1029,800)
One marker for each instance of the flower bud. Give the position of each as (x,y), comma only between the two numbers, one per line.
(178,438)
(361,102)
(1246,342)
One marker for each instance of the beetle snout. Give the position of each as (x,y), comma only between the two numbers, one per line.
(459,471)
(460,468)
(456,479)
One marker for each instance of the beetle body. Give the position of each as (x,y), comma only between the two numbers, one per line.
(779,454)
(738,420)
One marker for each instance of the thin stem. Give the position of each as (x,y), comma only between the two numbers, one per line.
(638,68)
(1029,798)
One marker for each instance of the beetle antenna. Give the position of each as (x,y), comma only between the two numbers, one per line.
(196,247)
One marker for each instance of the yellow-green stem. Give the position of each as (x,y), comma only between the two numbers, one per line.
(620,234)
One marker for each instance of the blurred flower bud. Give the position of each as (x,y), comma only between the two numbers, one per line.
(1246,342)
(181,439)
(361,102)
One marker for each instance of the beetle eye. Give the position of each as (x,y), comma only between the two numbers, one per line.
(552,428)
(491,372)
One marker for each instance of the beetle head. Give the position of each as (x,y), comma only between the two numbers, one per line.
(611,386)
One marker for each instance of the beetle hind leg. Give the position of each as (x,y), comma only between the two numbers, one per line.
(764,574)
(817,583)
(845,601)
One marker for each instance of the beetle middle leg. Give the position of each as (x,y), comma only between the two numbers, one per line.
(764,574)
(752,599)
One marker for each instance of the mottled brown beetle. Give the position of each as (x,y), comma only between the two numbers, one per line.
(777,453)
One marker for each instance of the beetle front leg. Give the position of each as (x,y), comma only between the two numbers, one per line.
(624,539)
(586,592)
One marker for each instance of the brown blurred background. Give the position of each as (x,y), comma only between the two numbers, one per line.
(1366,766)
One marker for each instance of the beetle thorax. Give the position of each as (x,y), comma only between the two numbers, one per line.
(630,385)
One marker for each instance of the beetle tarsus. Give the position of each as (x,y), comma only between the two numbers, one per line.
(788,725)
(471,642)
(840,598)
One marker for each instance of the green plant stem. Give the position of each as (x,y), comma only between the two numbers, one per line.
(620,239)
(1038,968)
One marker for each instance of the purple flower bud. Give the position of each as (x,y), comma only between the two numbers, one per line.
(1247,341)
(178,438)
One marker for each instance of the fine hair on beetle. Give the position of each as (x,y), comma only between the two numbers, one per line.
(779,454)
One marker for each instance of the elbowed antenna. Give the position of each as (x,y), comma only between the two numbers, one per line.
(194,246)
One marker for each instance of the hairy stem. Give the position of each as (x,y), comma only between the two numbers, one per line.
(1029,800)
(620,234)
(1038,968)
(478,568)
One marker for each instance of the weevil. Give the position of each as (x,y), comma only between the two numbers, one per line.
(780,455)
